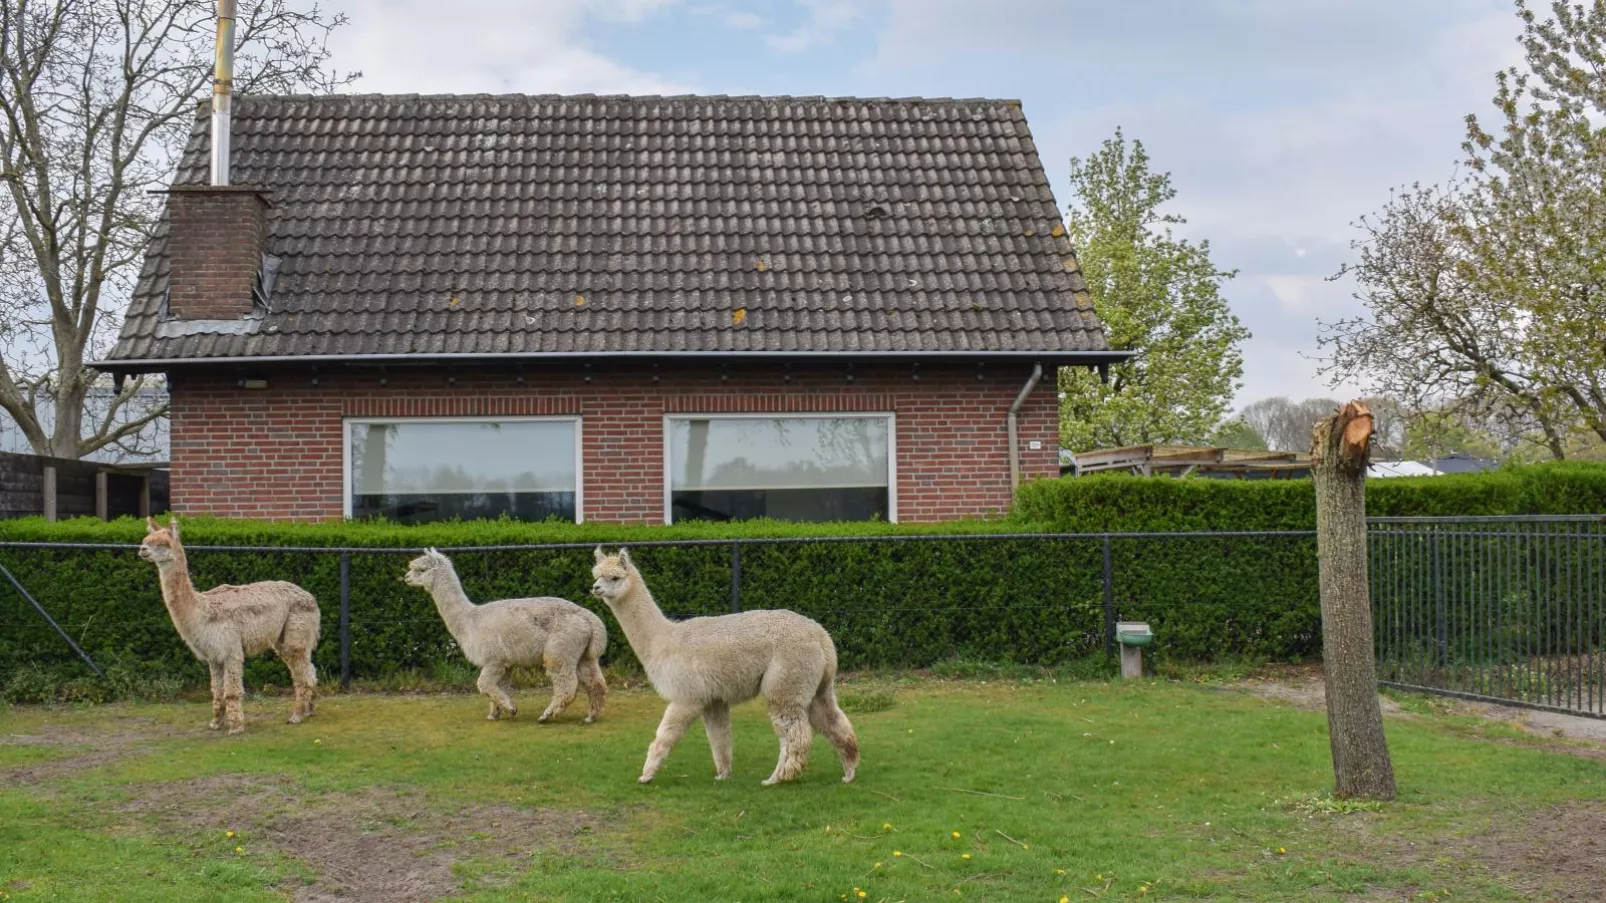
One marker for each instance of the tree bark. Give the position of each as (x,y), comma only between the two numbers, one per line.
(1361,766)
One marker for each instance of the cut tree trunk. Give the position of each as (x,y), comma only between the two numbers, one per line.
(1361,766)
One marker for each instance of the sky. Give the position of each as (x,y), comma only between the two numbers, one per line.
(1280,121)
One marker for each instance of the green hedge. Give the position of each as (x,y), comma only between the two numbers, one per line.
(1128,504)
(896,603)
(1258,596)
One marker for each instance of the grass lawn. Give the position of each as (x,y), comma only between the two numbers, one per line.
(1016,790)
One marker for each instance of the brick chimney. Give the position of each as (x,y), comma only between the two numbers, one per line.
(215,241)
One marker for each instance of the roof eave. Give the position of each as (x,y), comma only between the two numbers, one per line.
(1066,358)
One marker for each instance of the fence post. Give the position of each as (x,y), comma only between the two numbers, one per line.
(1441,634)
(1109,601)
(345,620)
(736,577)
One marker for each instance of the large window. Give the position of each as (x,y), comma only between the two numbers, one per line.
(415,471)
(837,467)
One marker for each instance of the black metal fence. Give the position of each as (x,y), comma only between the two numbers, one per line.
(1504,609)
(889,601)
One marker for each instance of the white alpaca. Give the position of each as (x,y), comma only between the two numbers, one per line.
(561,636)
(703,666)
(225,624)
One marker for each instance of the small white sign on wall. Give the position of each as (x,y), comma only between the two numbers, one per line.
(1035,445)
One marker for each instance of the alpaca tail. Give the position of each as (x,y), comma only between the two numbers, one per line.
(827,717)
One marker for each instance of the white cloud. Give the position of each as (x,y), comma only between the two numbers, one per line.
(1299,293)
(471,46)
(825,19)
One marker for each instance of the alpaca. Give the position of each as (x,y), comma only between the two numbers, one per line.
(225,624)
(555,633)
(703,666)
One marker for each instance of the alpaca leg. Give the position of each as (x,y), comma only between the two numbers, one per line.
(829,719)
(490,683)
(791,724)
(596,687)
(677,717)
(717,722)
(304,677)
(565,683)
(233,690)
(217,695)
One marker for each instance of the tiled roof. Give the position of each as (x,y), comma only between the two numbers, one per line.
(497,225)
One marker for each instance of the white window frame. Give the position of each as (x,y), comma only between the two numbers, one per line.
(579,446)
(892,447)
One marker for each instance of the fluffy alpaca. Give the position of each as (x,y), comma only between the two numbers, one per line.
(224,625)
(559,635)
(703,666)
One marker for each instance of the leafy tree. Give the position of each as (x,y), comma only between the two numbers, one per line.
(1489,294)
(1160,297)
(1237,433)
(96,100)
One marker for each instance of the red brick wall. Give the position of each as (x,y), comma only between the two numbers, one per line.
(276,452)
(215,247)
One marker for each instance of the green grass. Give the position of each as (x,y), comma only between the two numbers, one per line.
(1056,788)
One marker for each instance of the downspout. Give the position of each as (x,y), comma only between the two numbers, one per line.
(1014,412)
(222,88)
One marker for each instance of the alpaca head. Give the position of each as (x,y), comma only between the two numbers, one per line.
(424,570)
(160,546)
(615,575)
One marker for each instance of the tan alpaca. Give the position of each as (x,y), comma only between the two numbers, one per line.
(497,636)
(703,666)
(224,625)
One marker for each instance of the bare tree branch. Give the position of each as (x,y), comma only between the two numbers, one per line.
(96,101)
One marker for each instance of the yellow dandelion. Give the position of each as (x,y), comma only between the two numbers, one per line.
(239,849)
(1282,851)
(862,894)
(886,826)
(1099,877)
(878,865)
(228,834)
(956,835)
(897,852)
(1025,846)
(964,855)
(316,742)
(1065,900)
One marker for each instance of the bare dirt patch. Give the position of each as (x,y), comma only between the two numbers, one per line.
(1552,853)
(1303,687)
(130,739)
(372,845)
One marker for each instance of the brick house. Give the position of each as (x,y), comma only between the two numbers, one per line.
(624,309)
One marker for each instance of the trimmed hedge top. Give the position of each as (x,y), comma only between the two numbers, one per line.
(1121,503)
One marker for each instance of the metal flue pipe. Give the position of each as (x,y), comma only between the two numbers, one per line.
(222,92)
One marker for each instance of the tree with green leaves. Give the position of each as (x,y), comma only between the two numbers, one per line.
(1487,297)
(1160,298)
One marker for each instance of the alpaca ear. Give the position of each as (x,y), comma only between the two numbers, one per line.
(624,556)
(599,554)
(172,526)
(150,525)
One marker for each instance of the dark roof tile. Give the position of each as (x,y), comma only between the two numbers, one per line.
(837,224)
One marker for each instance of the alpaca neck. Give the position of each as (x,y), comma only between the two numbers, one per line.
(451,602)
(184,604)
(645,627)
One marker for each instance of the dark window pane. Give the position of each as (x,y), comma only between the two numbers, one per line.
(419,509)
(782,504)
